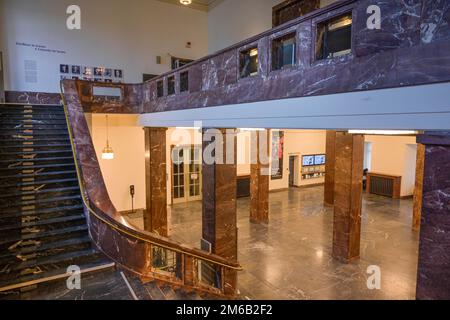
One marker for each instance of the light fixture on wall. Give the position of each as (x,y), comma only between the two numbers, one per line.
(186,2)
(108,153)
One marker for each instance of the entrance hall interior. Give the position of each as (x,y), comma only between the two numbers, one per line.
(290,256)
(327,123)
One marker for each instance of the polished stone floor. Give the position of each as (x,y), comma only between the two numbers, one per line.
(291,257)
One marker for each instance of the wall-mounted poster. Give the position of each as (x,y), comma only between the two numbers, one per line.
(76,70)
(277,155)
(64,68)
(98,72)
(118,73)
(87,71)
(108,73)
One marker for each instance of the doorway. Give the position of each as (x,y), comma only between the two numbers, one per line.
(186,173)
(292,162)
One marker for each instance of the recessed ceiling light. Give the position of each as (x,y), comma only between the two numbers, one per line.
(186,2)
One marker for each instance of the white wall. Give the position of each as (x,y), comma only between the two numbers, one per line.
(395,155)
(128,167)
(115,33)
(236,20)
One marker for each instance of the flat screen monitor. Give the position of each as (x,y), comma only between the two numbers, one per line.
(308,161)
(319,160)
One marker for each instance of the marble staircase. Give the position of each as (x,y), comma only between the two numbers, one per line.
(43,228)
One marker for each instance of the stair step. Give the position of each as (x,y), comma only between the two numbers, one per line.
(12,161)
(32,145)
(20,136)
(43,166)
(53,275)
(44,247)
(42,212)
(32,131)
(39,175)
(40,235)
(37,202)
(37,183)
(36,152)
(168,292)
(46,109)
(44,117)
(32,127)
(30,107)
(42,222)
(39,192)
(34,122)
(154,291)
(56,259)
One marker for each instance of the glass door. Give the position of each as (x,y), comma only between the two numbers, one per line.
(186,173)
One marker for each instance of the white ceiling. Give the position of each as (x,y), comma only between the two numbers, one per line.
(204,5)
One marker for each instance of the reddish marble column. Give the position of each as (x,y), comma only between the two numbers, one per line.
(219,221)
(155,216)
(348,196)
(418,190)
(259,180)
(433,280)
(329,168)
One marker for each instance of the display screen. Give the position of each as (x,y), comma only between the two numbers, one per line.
(319,159)
(308,161)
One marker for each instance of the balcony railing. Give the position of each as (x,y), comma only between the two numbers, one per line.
(411,48)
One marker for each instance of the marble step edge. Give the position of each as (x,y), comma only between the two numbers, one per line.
(37,212)
(59,275)
(38,182)
(58,244)
(43,166)
(35,152)
(40,223)
(41,192)
(45,234)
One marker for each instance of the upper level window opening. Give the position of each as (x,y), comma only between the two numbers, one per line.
(184,81)
(284,51)
(248,63)
(171,85)
(334,37)
(160,89)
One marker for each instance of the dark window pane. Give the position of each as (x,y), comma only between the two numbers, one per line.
(171,85)
(334,37)
(284,51)
(248,63)
(184,81)
(160,89)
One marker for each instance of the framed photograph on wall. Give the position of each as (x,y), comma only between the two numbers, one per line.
(76,70)
(64,68)
(108,73)
(118,73)
(87,71)
(98,72)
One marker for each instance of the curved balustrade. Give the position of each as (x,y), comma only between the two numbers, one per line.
(143,253)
